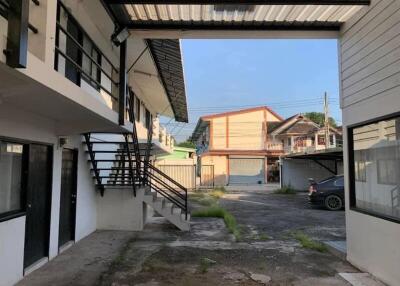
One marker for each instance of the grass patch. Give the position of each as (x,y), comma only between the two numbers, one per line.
(217,194)
(204,200)
(262,237)
(307,242)
(285,190)
(205,264)
(214,211)
(219,212)
(208,198)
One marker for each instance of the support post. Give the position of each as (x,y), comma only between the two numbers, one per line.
(122,83)
(17,34)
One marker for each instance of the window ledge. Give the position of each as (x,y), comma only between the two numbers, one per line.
(377,215)
(11,215)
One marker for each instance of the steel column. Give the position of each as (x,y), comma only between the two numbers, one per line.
(122,83)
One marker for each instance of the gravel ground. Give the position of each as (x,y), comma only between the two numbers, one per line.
(209,255)
(266,254)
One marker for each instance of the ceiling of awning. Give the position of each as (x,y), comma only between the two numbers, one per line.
(307,15)
(167,57)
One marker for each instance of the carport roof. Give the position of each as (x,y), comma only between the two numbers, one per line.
(329,154)
(233,14)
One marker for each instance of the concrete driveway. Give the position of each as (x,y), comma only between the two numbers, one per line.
(267,253)
(261,210)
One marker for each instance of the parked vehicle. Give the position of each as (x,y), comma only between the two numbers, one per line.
(328,193)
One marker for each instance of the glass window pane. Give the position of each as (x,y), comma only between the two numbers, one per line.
(10,176)
(377,166)
(95,69)
(86,62)
(339,182)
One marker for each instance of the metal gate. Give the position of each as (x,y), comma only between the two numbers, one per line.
(207,176)
(183,174)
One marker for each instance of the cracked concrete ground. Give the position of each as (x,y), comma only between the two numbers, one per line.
(209,254)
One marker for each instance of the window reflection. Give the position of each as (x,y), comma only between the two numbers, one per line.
(376,167)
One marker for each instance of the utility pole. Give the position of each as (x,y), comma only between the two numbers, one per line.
(326,122)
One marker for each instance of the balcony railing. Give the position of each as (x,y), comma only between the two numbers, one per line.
(274,146)
(81,61)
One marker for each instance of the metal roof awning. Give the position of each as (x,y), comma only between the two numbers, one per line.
(234,14)
(328,154)
(320,157)
(167,57)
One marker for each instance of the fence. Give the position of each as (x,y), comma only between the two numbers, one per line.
(207,176)
(183,174)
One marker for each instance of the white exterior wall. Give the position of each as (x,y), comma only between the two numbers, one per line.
(12,236)
(18,124)
(119,209)
(370,87)
(296,172)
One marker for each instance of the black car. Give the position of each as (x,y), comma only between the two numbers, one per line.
(328,193)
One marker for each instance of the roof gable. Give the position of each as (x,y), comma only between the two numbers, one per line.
(295,124)
(248,110)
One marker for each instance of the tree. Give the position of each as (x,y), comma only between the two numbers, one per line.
(187,144)
(319,118)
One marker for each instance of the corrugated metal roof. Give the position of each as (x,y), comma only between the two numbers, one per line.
(167,57)
(237,15)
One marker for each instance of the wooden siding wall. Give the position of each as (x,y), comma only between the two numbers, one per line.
(370,53)
(241,131)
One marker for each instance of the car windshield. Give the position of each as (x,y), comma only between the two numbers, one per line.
(327,180)
(339,182)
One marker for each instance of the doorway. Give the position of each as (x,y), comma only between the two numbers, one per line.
(68,196)
(38,202)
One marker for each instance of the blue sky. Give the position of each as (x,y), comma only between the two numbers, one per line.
(290,76)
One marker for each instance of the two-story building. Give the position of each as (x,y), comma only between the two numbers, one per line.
(236,144)
(299,134)
(78,103)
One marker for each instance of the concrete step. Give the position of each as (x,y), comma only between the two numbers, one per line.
(165,208)
(176,210)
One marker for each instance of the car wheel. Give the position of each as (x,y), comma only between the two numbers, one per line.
(333,203)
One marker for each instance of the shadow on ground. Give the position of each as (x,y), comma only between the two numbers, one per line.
(267,254)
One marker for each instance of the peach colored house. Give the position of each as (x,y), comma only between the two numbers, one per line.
(237,146)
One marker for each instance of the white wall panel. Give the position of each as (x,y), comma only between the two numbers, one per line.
(370,80)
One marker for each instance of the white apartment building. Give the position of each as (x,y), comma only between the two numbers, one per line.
(62,77)
(44,100)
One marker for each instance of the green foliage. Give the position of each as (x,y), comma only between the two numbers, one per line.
(187,144)
(205,263)
(319,118)
(202,199)
(286,190)
(307,242)
(218,192)
(208,198)
(214,211)
(262,237)
(219,212)
(232,225)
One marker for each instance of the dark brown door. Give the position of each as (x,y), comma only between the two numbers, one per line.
(38,202)
(68,196)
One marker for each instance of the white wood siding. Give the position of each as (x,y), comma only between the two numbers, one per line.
(369,50)
(370,53)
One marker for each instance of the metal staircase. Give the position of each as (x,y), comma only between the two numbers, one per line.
(119,161)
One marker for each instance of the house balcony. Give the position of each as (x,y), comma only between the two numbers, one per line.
(66,77)
(274,147)
(165,139)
